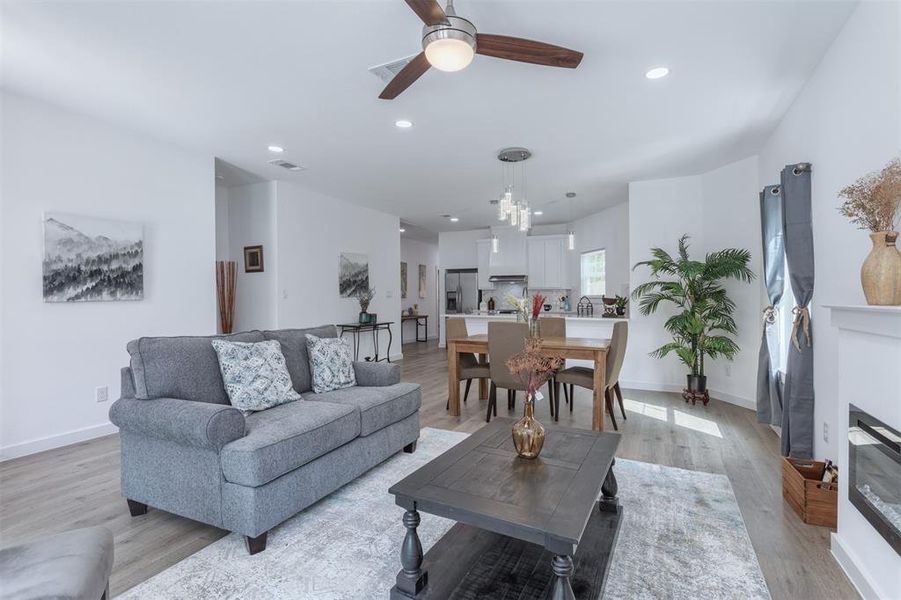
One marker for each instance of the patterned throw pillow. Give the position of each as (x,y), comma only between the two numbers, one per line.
(330,363)
(255,374)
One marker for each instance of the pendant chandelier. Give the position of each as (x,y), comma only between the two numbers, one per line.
(513,204)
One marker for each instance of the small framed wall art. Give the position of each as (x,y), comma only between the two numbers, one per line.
(253,259)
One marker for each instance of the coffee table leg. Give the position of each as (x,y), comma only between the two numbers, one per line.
(563,569)
(609,501)
(412,579)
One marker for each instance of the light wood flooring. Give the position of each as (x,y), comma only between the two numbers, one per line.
(78,485)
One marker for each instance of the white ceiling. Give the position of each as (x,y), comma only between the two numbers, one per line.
(229,78)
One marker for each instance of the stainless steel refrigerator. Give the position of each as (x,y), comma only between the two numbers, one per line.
(461,291)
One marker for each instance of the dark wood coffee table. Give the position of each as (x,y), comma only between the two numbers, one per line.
(520,523)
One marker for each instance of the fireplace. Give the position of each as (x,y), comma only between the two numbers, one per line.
(874,474)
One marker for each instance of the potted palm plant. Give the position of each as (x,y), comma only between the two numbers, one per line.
(704,322)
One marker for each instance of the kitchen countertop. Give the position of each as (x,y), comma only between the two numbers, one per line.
(511,317)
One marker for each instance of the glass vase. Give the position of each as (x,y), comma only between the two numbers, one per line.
(534,327)
(528,432)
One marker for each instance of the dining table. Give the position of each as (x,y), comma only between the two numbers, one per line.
(592,349)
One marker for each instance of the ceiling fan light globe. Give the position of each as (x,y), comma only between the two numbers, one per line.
(449,54)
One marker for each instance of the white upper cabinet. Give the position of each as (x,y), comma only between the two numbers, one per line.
(484,264)
(510,259)
(547,262)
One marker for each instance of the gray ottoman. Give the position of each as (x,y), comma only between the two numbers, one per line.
(72,565)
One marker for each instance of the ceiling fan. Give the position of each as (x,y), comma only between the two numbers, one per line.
(449,43)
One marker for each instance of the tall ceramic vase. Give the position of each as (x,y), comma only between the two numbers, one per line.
(528,432)
(880,274)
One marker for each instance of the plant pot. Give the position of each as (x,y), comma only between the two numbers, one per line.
(364,317)
(620,311)
(880,274)
(528,432)
(697,383)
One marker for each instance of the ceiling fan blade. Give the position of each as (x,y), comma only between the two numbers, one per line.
(413,71)
(429,11)
(529,51)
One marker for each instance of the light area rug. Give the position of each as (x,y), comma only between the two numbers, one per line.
(682,537)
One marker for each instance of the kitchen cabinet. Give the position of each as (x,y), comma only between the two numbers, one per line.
(510,259)
(548,258)
(484,264)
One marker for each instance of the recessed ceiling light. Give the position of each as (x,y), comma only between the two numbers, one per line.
(657,73)
(403,123)
(538,213)
(276,149)
(454,219)
(402,230)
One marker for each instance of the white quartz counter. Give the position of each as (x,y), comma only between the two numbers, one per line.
(596,327)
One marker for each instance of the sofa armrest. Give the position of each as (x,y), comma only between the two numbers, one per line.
(185,422)
(376,374)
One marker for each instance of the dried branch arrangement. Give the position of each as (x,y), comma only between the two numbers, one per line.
(534,367)
(226,278)
(872,201)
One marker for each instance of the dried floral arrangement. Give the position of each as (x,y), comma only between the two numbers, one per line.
(521,305)
(364,297)
(534,367)
(872,201)
(537,303)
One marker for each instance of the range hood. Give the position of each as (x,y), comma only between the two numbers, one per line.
(508,279)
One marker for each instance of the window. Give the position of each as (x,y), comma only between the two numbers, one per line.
(594,273)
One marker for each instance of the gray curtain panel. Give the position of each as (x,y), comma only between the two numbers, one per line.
(797,411)
(769,397)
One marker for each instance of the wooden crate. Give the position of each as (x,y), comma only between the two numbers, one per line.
(815,501)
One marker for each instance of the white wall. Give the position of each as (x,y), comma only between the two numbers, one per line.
(718,209)
(608,229)
(660,212)
(223,250)
(415,253)
(731,213)
(458,250)
(251,221)
(55,355)
(844,131)
(846,123)
(312,231)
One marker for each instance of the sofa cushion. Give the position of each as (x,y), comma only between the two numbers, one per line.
(181,367)
(285,437)
(379,406)
(254,374)
(330,363)
(294,347)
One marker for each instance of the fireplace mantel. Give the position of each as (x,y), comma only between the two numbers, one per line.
(869,377)
(876,320)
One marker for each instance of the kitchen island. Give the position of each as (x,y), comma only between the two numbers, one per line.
(595,327)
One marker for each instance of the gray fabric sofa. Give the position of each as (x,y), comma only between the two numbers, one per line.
(187,451)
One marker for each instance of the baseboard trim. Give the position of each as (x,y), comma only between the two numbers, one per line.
(653,386)
(846,561)
(56,441)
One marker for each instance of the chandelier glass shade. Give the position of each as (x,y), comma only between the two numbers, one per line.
(512,205)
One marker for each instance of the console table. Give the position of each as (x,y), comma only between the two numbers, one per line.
(421,321)
(356,329)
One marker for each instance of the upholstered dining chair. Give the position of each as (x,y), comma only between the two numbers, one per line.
(584,376)
(552,327)
(470,367)
(505,340)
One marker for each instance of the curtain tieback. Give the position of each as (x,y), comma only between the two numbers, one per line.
(801,323)
(769,315)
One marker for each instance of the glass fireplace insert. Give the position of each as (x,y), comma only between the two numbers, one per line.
(874,474)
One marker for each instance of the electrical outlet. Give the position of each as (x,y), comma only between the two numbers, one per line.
(390,294)
(825,432)
(101,393)
(728,370)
